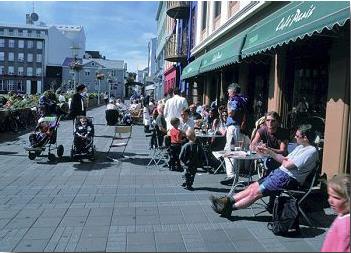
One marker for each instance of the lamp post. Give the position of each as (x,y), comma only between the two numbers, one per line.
(99,77)
(76,66)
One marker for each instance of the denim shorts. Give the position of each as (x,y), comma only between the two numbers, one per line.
(275,182)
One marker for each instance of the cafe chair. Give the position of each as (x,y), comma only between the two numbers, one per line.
(160,152)
(120,139)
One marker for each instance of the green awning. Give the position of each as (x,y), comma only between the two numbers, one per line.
(225,54)
(192,69)
(293,21)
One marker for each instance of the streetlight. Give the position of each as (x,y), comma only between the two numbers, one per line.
(99,77)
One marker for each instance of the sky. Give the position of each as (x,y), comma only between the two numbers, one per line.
(120,30)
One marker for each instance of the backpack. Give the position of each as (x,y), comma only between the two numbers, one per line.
(285,218)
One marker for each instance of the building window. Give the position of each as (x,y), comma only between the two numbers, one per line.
(11,70)
(20,71)
(2,43)
(20,86)
(204,15)
(21,44)
(39,56)
(233,7)
(39,45)
(30,57)
(10,85)
(42,33)
(218,5)
(25,32)
(29,44)
(2,56)
(12,43)
(87,73)
(11,56)
(1,70)
(20,57)
(2,84)
(29,71)
(38,71)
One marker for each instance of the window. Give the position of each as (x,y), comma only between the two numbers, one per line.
(1,70)
(2,43)
(204,15)
(29,71)
(39,45)
(25,32)
(12,43)
(21,44)
(20,86)
(39,57)
(20,57)
(29,44)
(218,5)
(87,73)
(2,84)
(30,57)
(233,7)
(11,56)
(20,71)
(38,71)
(2,56)
(42,33)
(10,85)
(11,70)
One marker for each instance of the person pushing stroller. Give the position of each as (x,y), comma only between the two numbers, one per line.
(83,133)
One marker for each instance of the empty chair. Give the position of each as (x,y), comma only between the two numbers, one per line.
(120,139)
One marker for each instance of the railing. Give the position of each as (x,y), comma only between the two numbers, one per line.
(178,9)
(174,51)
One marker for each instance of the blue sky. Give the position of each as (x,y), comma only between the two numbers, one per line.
(120,30)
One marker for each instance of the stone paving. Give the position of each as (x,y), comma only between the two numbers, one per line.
(123,206)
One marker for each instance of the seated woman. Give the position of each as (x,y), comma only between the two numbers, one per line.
(293,171)
(83,133)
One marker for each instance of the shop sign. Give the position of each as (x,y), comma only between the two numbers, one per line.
(297,17)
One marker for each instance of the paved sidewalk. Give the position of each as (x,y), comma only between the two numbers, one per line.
(122,206)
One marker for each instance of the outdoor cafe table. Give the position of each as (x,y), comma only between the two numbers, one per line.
(246,156)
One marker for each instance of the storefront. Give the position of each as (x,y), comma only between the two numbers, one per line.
(308,48)
(170,79)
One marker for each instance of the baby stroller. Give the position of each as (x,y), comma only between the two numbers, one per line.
(83,141)
(44,136)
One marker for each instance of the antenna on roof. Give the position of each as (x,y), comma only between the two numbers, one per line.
(30,18)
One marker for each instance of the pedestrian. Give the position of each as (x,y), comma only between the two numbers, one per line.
(77,106)
(237,107)
(192,156)
(106,98)
(338,236)
(174,106)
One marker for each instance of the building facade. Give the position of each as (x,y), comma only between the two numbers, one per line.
(22,58)
(284,55)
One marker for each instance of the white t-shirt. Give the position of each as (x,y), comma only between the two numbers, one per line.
(185,125)
(173,108)
(305,159)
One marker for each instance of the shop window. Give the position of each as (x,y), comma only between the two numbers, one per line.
(2,85)
(10,85)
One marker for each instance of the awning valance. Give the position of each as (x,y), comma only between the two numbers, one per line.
(293,21)
(225,54)
(192,69)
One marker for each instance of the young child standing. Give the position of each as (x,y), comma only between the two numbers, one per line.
(176,145)
(192,155)
(338,236)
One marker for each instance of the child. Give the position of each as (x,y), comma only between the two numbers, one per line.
(192,156)
(83,133)
(176,144)
(338,236)
(42,132)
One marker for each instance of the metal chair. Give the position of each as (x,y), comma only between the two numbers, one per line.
(159,152)
(121,138)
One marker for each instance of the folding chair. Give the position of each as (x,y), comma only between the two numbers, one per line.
(311,184)
(160,152)
(219,156)
(121,138)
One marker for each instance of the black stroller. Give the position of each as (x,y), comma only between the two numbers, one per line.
(45,136)
(83,141)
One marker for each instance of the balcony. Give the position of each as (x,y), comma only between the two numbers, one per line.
(178,9)
(174,52)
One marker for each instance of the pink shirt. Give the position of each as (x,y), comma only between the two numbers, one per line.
(338,236)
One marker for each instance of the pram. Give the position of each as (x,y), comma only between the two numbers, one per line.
(83,142)
(45,136)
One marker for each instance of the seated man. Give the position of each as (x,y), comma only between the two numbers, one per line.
(83,133)
(293,171)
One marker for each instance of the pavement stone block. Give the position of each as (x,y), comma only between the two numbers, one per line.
(170,247)
(97,244)
(42,233)
(95,231)
(123,220)
(31,246)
